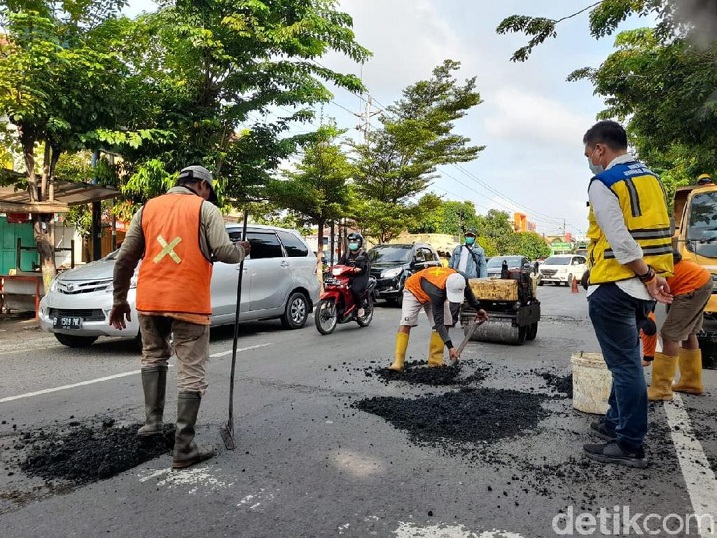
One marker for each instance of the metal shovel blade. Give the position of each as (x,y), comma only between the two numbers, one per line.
(227,433)
(472,326)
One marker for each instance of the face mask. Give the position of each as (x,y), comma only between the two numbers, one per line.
(470,240)
(353,246)
(594,168)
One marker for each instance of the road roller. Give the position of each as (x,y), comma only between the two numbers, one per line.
(512,306)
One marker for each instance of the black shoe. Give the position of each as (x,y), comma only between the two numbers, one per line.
(612,453)
(602,431)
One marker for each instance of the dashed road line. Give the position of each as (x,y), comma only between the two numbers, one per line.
(109,377)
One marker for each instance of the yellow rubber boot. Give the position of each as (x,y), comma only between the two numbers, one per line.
(400,357)
(663,372)
(435,350)
(690,372)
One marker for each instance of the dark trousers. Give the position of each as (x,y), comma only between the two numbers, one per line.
(617,318)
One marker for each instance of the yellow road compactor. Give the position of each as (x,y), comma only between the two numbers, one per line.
(512,307)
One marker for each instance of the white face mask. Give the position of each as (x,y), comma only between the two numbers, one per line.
(594,168)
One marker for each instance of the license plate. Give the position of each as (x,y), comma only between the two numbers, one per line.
(68,322)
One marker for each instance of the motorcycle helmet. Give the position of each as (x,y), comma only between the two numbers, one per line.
(355,241)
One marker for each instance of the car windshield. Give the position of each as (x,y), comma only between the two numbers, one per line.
(702,227)
(554,260)
(390,254)
(497,262)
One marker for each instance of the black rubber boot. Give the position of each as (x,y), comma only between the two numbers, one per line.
(186,451)
(154,383)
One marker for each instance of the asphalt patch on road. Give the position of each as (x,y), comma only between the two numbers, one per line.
(561,384)
(471,415)
(88,453)
(418,373)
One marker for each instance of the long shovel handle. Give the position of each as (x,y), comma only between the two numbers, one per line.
(230,423)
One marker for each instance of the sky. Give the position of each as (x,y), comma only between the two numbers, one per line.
(531,119)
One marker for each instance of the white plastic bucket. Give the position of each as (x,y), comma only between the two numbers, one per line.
(591,383)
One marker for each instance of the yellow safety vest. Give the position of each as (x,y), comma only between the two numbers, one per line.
(643,202)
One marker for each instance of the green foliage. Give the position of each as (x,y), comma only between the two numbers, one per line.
(317,190)
(398,161)
(528,244)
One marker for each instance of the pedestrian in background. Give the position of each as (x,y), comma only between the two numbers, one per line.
(630,254)
(692,288)
(177,235)
(469,258)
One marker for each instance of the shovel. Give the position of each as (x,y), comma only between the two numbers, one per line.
(472,326)
(227,430)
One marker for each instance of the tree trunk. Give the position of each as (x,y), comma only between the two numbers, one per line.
(44,238)
(320,255)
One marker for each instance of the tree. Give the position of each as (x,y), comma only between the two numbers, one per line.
(661,81)
(218,71)
(60,81)
(528,244)
(317,191)
(398,161)
(496,226)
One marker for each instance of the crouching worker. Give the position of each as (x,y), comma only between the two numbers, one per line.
(439,291)
(691,287)
(177,234)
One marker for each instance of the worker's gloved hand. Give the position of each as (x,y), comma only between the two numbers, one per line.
(481,315)
(453,354)
(649,327)
(118,314)
(585,280)
(357,269)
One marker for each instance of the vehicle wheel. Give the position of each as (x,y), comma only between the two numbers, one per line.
(540,282)
(365,321)
(325,316)
(522,335)
(399,299)
(297,311)
(570,281)
(532,331)
(71,340)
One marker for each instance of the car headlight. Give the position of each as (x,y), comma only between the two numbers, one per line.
(53,284)
(390,273)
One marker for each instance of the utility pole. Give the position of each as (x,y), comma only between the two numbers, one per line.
(366,116)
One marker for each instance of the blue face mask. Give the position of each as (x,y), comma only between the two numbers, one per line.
(470,240)
(353,247)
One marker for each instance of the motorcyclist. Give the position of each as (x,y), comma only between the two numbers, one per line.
(357,258)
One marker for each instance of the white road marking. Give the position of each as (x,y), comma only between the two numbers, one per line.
(201,479)
(411,530)
(699,477)
(224,353)
(254,501)
(65,387)
(109,378)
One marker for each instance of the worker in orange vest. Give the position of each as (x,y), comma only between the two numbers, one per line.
(439,291)
(691,286)
(178,235)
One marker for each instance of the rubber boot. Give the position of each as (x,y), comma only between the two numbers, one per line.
(154,383)
(690,372)
(663,372)
(435,350)
(400,356)
(186,451)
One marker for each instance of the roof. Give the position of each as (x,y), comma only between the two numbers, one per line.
(14,199)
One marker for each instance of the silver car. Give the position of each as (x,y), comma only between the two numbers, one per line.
(279,281)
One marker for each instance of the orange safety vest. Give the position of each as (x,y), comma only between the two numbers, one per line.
(435,275)
(175,276)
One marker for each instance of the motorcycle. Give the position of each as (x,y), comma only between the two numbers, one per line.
(336,304)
